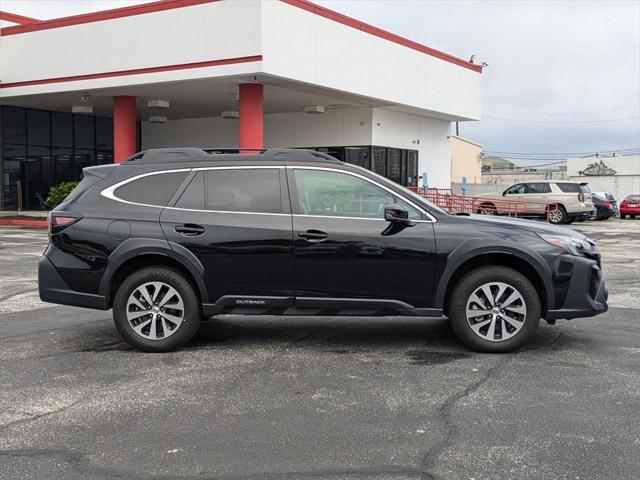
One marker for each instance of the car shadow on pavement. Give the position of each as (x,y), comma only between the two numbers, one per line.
(423,340)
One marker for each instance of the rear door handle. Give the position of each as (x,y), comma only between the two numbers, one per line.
(189,229)
(314,236)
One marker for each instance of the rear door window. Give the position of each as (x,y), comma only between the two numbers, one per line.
(537,188)
(154,189)
(234,190)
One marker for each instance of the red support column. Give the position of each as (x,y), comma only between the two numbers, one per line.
(124,127)
(250,127)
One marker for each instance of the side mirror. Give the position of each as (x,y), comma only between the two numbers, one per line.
(395,213)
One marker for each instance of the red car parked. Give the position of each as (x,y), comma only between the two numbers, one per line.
(630,206)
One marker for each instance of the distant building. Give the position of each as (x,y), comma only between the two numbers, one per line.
(466,160)
(490,164)
(619,175)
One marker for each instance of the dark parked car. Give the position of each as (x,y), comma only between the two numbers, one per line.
(608,196)
(630,206)
(603,209)
(172,236)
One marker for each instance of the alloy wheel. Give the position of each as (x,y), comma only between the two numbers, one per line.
(556,215)
(155,310)
(496,311)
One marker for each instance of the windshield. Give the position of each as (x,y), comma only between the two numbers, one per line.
(635,198)
(423,202)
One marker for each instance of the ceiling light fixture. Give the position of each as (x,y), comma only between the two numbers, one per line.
(158,103)
(157,119)
(82,109)
(314,109)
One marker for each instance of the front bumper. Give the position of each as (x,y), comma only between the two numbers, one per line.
(54,289)
(587,293)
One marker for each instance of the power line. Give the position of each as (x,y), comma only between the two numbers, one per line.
(621,107)
(562,122)
(609,146)
(494,152)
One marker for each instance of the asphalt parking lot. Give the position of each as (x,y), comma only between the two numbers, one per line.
(317,398)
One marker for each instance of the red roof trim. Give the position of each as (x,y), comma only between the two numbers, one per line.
(378,32)
(14,18)
(171,4)
(100,16)
(137,71)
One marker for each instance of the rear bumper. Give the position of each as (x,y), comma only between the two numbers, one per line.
(53,289)
(584,215)
(587,294)
(629,211)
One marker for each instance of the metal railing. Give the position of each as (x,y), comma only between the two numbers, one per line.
(454,203)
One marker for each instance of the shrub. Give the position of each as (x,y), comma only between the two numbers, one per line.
(58,193)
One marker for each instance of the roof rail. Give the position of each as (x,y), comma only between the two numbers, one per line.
(170,155)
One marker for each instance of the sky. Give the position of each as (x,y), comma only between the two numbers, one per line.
(563,76)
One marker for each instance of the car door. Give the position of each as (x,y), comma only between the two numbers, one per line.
(346,254)
(237,222)
(514,194)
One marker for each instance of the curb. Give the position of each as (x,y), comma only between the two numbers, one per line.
(24,223)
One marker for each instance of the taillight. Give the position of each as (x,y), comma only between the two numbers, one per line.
(60,221)
(606,205)
(581,197)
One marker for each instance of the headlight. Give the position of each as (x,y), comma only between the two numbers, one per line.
(573,245)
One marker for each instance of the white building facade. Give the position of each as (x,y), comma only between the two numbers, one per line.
(222,73)
(619,175)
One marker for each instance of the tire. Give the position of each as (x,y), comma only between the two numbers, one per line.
(633,217)
(557,215)
(517,332)
(594,215)
(176,299)
(622,216)
(488,209)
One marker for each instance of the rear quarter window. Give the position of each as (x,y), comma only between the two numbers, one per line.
(156,189)
(569,187)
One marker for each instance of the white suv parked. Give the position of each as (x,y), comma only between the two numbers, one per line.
(562,201)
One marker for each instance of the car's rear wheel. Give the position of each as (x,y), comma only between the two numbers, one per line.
(557,214)
(494,309)
(156,309)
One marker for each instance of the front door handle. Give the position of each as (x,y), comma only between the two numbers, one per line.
(314,236)
(189,229)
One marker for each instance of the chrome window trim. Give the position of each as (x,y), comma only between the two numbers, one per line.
(432,219)
(228,211)
(302,215)
(109,192)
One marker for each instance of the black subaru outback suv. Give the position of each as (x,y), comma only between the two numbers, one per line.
(172,236)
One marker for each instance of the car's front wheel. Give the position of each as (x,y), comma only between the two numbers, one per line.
(494,309)
(156,309)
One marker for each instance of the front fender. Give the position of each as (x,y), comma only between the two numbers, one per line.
(474,248)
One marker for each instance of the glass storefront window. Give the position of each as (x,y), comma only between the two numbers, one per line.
(41,149)
(38,128)
(14,123)
(360,156)
(83,130)
(62,129)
